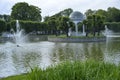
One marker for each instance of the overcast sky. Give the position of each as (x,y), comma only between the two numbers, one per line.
(50,7)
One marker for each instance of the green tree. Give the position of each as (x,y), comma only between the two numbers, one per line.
(2,26)
(102,13)
(52,25)
(94,24)
(113,14)
(64,23)
(6,18)
(65,12)
(89,12)
(24,11)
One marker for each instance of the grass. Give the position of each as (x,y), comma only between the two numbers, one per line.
(84,70)
(89,36)
(17,77)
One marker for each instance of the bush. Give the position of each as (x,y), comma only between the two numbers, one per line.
(2,26)
(29,26)
(115,26)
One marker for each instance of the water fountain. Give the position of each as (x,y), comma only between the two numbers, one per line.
(109,33)
(19,55)
(19,37)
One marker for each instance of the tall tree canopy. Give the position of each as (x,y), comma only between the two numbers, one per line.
(24,11)
(65,12)
(113,14)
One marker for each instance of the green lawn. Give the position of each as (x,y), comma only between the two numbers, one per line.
(89,36)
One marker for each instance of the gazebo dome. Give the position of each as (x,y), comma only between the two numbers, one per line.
(77,16)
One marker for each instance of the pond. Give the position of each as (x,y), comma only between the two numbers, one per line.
(16,59)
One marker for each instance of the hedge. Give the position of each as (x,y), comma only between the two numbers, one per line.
(2,26)
(29,26)
(114,26)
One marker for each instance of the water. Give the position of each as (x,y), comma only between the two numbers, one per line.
(19,57)
(15,60)
(19,36)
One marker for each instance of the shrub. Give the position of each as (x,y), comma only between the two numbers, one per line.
(2,26)
(115,26)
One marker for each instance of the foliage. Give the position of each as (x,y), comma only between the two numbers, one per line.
(113,14)
(24,11)
(94,23)
(114,26)
(89,12)
(78,70)
(57,22)
(6,18)
(88,70)
(65,12)
(17,77)
(29,26)
(2,26)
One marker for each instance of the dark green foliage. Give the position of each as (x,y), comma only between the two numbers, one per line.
(112,14)
(6,18)
(2,26)
(65,12)
(29,26)
(114,26)
(94,23)
(24,11)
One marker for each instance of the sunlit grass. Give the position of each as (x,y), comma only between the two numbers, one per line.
(79,70)
(88,70)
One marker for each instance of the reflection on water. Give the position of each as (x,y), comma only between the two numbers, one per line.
(112,52)
(16,60)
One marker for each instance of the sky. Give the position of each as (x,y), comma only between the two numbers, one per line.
(50,7)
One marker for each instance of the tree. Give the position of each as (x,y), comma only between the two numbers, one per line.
(65,12)
(24,11)
(52,25)
(64,24)
(113,14)
(6,18)
(94,23)
(2,26)
(102,13)
(89,12)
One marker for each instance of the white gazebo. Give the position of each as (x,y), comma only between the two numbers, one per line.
(77,17)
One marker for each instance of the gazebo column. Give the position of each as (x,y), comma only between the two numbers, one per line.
(76,28)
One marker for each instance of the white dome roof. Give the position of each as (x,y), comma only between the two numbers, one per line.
(77,16)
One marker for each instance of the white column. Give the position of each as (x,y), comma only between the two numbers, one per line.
(83,33)
(76,28)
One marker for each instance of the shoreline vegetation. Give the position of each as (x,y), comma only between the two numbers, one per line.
(78,70)
(63,38)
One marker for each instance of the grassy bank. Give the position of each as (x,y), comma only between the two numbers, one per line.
(88,70)
(64,36)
